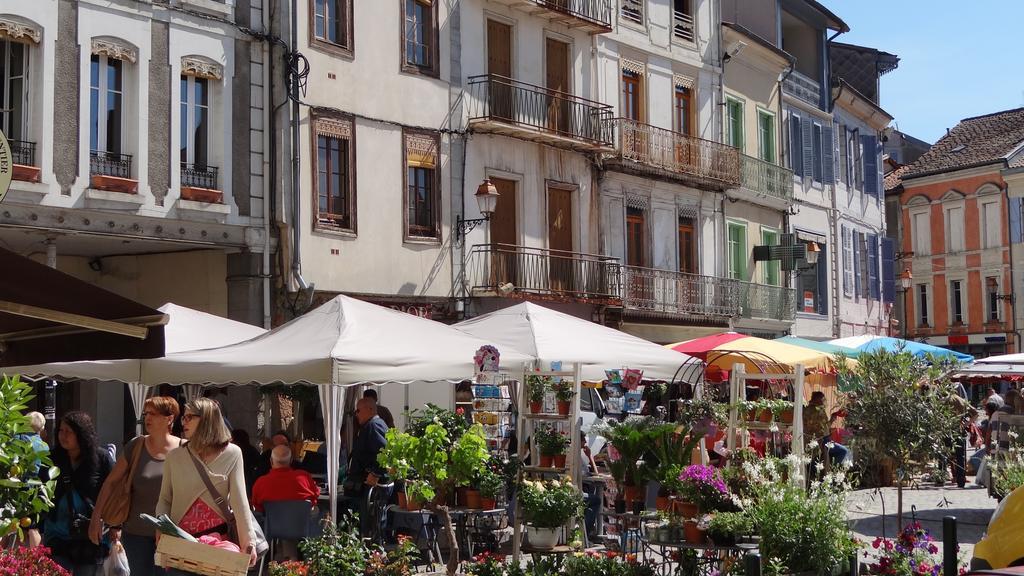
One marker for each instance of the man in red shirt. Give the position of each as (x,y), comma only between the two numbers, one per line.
(283,482)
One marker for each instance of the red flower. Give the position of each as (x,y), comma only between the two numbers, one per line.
(460,411)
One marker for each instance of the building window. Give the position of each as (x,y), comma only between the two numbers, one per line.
(631,98)
(812,285)
(818,165)
(682,20)
(334,184)
(13,92)
(635,233)
(420,36)
(331,19)
(922,305)
(956,301)
(633,11)
(992,234)
(687,245)
(766,136)
(863,264)
(737,250)
(772,274)
(106,105)
(422,199)
(954,229)
(855,158)
(991,298)
(683,108)
(848,278)
(920,229)
(734,123)
(195,121)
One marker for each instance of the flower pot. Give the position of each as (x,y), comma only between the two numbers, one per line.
(723,540)
(693,534)
(620,506)
(663,503)
(765,416)
(488,503)
(543,538)
(406,503)
(663,534)
(472,499)
(687,509)
(558,460)
(546,461)
(787,416)
(460,496)
(563,407)
(632,493)
(751,415)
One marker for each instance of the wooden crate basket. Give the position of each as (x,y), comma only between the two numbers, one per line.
(200,558)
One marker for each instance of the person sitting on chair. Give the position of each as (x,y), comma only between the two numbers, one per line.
(283,482)
(817,428)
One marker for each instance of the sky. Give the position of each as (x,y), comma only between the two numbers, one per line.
(956,58)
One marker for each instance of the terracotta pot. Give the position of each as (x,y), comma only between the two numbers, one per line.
(546,461)
(563,407)
(460,496)
(488,503)
(632,493)
(751,415)
(204,195)
(663,503)
(558,461)
(536,407)
(620,506)
(406,503)
(787,416)
(693,534)
(27,173)
(472,499)
(687,509)
(765,416)
(402,501)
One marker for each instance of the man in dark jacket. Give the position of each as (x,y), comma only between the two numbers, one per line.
(364,470)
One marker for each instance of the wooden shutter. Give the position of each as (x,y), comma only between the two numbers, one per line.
(635,237)
(1015,220)
(888,271)
(687,246)
(503,223)
(847,264)
(872,182)
(499,48)
(828,153)
(560,220)
(796,146)
(843,160)
(873,285)
(807,130)
(857,272)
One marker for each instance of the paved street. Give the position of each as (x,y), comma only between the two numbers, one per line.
(929,504)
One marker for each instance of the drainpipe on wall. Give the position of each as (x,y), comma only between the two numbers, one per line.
(296,161)
(836,233)
(268,97)
(1013,299)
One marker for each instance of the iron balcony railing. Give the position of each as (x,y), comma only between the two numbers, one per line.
(682,26)
(199,176)
(24,152)
(768,302)
(500,99)
(597,12)
(670,293)
(803,88)
(766,179)
(674,152)
(508,270)
(110,164)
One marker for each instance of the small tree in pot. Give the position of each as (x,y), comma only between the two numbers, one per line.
(536,387)
(564,392)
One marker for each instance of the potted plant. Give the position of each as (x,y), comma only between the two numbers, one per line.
(552,445)
(536,387)
(726,528)
(695,529)
(703,416)
(631,443)
(25,560)
(672,449)
(547,505)
(564,391)
(492,488)
(704,486)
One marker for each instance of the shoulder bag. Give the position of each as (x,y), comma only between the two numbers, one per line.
(119,502)
(258,542)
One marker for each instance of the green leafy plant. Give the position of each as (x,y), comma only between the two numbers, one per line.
(491,484)
(339,551)
(700,412)
(289,568)
(550,441)
(671,449)
(903,409)
(422,462)
(398,561)
(23,495)
(454,424)
(725,527)
(469,454)
(632,441)
(1008,470)
(564,390)
(550,503)
(486,564)
(537,386)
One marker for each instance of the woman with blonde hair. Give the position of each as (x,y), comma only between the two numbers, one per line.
(207,469)
(143,459)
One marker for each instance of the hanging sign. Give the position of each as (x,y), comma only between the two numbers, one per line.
(6,166)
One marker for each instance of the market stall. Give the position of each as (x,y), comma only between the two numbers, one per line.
(871,343)
(342,343)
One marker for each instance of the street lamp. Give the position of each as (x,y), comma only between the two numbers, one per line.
(906,279)
(813,251)
(486,201)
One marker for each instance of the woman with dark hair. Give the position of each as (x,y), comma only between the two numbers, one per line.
(84,466)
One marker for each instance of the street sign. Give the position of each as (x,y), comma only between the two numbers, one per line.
(6,166)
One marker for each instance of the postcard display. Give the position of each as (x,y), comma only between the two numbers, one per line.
(528,425)
(491,405)
(624,391)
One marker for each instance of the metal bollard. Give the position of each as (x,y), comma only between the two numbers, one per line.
(949,546)
(752,564)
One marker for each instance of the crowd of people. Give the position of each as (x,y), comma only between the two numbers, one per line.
(210,481)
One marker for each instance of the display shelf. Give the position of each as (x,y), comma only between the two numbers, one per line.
(546,416)
(561,549)
(545,469)
(758,425)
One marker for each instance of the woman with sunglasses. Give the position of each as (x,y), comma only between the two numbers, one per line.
(136,534)
(184,495)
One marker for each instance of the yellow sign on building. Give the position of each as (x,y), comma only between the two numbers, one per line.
(6,166)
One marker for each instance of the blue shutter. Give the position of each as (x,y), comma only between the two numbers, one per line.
(823,280)
(871,183)
(888,270)
(843,237)
(796,146)
(855,238)
(1015,223)
(828,148)
(807,128)
(873,286)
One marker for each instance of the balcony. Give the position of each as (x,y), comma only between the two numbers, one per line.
(804,88)
(535,273)
(593,16)
(646,150)
(111,171)
(504,106)
(765,183)
(199,183)
(679,295)
(24,155)
(760,301)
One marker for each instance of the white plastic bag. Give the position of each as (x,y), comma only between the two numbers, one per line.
(116,563)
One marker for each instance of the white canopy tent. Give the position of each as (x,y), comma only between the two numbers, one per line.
(854,341)
(1003,359)
(186,330)
(550,335)
(342,343)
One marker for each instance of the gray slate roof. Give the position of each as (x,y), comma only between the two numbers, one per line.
(973,142)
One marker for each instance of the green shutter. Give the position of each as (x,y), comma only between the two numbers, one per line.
(772,268)
(737,251)
(735,123)
(766,126)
